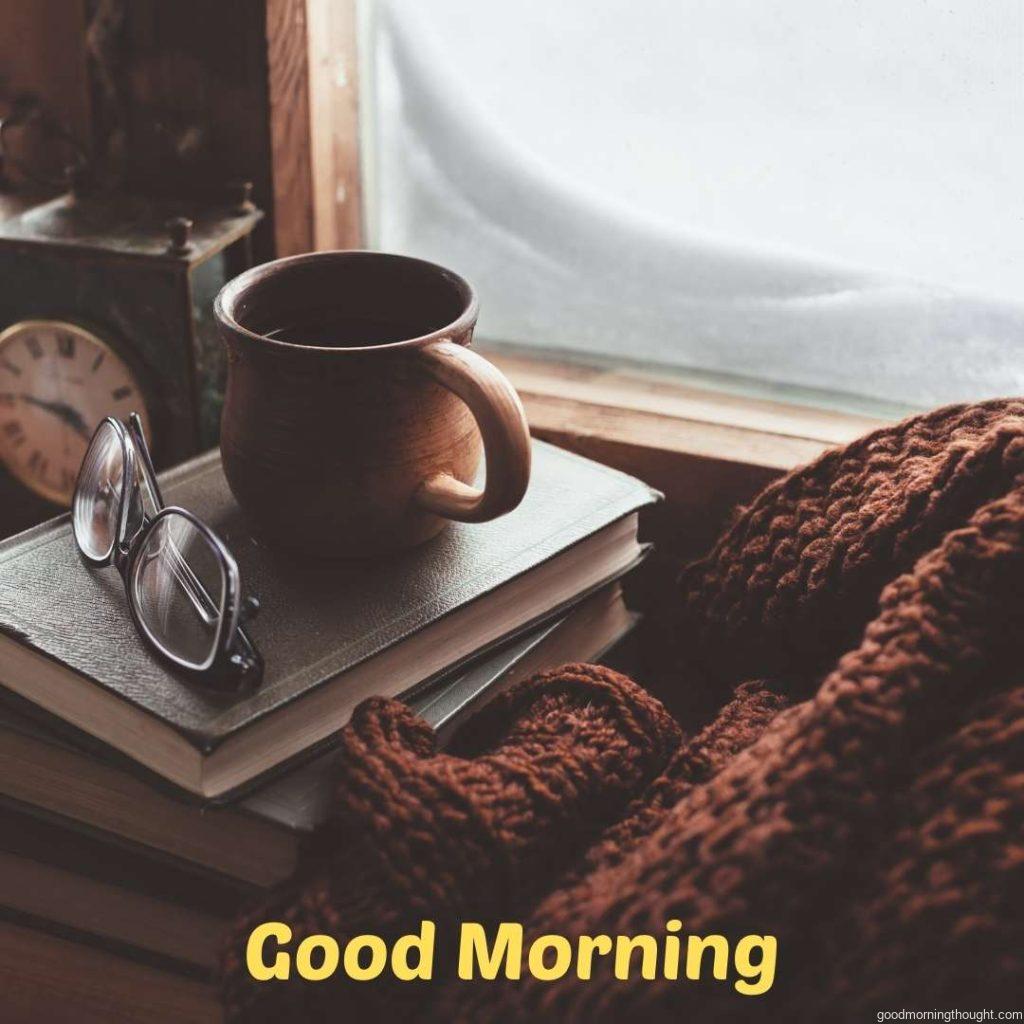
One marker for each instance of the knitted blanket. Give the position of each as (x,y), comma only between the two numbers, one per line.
(859,795)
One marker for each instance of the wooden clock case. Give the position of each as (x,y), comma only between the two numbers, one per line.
(142,274)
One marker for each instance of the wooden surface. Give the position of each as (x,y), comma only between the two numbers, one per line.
(289,119)
(334,125)
(707,451)
(313,90)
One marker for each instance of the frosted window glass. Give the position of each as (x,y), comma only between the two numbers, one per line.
(818,194)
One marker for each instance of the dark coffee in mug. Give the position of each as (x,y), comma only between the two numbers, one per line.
(336,327)
(356,412)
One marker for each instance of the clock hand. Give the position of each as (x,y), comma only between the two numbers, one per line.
(64,412)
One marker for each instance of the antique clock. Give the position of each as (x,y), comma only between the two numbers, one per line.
(106,308)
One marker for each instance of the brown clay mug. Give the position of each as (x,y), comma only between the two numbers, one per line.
(355,408)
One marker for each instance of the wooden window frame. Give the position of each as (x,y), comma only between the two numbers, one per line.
(706,450)
(313,92)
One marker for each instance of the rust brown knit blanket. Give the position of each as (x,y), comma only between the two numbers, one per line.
(859,795)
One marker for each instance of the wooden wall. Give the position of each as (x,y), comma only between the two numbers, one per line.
(42,52)
(183,96)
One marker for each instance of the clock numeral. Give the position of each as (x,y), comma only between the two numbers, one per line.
(10,367)
(121,393)
(35,350)
(37,462)
(67,480)
(98,361)
(14,433)
(66,345)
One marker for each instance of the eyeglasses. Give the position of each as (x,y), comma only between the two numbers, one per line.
(181,581)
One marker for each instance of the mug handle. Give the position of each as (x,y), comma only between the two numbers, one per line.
(502,422)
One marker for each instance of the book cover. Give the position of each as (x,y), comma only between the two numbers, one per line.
(320,620)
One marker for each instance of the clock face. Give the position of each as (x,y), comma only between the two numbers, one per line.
(57,382)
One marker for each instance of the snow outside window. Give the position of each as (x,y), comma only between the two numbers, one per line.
(815,194)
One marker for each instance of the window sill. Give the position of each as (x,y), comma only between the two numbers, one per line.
(707,451)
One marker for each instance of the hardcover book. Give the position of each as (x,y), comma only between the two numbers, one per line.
(52,770)
(46,977)
(100,892)
(331,633)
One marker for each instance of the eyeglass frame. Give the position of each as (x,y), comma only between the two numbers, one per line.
(234,657)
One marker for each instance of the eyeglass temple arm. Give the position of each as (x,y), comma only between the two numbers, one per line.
(189,581)
(139,436)
(206,608)
(192,585)
(243,646)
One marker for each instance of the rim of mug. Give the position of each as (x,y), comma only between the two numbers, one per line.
(226,302)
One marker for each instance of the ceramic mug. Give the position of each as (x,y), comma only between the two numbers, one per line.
(355,410)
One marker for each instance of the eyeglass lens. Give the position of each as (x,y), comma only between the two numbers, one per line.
(178,588)
(98,496)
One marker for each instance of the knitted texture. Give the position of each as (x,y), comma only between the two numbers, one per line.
(861,797)
(420,834)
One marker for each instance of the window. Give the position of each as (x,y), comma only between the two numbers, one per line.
(810,195)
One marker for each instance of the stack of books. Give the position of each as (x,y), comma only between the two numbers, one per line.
(140,811)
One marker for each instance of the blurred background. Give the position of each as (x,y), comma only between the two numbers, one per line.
(821,196)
